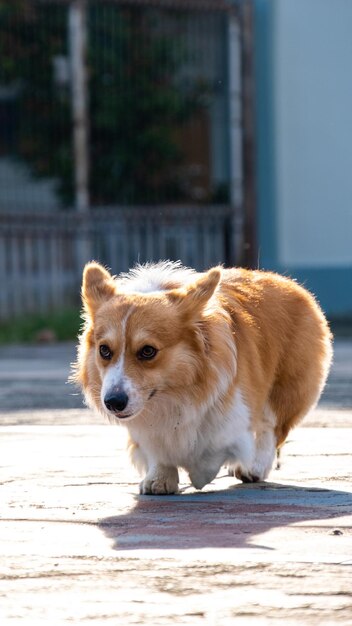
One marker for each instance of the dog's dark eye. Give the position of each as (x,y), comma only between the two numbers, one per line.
(105,352)
(146,353)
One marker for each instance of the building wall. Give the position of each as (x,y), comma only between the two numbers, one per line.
(304,112)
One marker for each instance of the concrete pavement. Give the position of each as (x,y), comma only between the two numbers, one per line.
(78,545)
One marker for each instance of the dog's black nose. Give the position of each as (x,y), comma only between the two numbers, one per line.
(116,401)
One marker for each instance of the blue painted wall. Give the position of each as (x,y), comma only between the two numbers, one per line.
(303,56)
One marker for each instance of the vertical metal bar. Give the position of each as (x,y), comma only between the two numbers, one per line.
(29,273)
(77,35)
(15,274)
(5,283)
(77,28)
(44,278)
(250,252)
(235,138)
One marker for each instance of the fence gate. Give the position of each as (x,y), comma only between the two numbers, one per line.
(125,136)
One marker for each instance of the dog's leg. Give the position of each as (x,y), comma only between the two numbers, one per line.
(265,447)
(205,468)
(160,480)
(265,454)
(202,474)
(241,453)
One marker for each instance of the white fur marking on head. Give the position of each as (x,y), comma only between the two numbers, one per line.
(154,277)
(115,376)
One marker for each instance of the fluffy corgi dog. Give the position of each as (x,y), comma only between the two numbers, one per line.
(203,369)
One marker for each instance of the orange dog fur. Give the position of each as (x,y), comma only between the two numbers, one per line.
(203,369)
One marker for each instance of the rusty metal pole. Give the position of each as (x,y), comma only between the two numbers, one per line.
(77,35)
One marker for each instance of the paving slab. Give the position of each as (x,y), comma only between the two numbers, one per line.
(79,545)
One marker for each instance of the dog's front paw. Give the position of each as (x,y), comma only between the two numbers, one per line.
(259,470)
(162,481)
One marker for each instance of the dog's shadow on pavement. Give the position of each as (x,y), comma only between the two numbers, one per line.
(222,519)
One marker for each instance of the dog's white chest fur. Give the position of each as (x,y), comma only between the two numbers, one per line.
(198,441)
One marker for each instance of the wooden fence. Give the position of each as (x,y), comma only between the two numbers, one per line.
(42,256)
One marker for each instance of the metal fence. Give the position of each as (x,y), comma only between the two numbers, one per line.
(42,256)
(119,102)
(121,139)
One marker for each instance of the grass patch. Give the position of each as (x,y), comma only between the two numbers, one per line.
(60,326)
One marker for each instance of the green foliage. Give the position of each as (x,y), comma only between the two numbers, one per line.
(28,43)
(136,108)
(136,99)
(64,326)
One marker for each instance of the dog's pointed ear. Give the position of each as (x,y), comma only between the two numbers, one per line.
(97,286)
(195,296)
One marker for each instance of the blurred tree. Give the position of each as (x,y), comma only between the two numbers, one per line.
(136,100)
(29,42)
